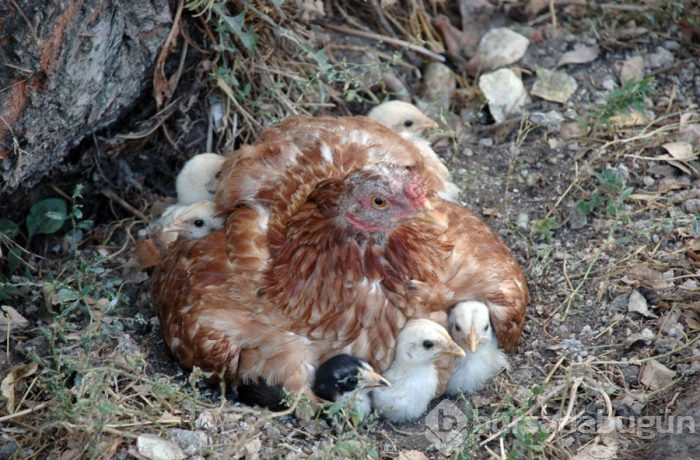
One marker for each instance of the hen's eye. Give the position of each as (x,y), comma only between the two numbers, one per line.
(199,223)
(428,344)
(379,202)
(408,123)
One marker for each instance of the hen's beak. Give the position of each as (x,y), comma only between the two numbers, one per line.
(473,340)
(452,349)
(369,379)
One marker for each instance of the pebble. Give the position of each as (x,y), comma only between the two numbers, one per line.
(486,142)
(692,205)
(660,58)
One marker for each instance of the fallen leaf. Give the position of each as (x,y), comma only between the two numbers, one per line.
(655,375)
(630,118)
(9,383)
(638,304)
(11,320)
(645,335)
(682,151)
(580,55)
(689,129)
(553,85)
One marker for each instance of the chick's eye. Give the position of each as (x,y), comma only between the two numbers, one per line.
(486,328)
(352,380)
(408,123)
(428,344)
(379,202)
(199,223)
(457,328)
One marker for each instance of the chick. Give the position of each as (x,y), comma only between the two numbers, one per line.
(198,178)
(347,380)
(342,379)
(470,326)
(408,120)
(193,220)
(401,117)
(413,375)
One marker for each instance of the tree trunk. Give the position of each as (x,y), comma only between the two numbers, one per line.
(67,69)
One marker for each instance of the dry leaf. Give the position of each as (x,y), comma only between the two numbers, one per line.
(638,304)
(681,153)
(655,375)
(630,118)
(580,55)
(689,130)
(9,383)
(10,320)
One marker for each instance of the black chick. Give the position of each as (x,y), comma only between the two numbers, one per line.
(343,379)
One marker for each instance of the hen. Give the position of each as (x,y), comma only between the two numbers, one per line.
(334,239)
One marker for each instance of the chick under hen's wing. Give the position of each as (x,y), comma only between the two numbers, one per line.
(481,267)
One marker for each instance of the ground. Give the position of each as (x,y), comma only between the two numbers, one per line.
(602,217)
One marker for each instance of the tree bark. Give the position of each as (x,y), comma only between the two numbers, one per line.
(67,69)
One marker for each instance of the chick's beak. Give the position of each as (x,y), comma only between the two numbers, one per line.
(452,349)
(173,228)
(426,123)
(473,340)
(369,379)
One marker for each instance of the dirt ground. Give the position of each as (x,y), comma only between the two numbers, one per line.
(602,217)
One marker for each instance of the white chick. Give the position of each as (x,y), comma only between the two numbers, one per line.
(413,375)
(408,120)
(193,220)
(198,178)
(470,326)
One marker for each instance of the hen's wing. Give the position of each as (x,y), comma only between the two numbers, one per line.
(481,267)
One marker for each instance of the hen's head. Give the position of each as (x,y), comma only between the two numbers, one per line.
(401,117)
(470,324)
(382,198)
(422,341)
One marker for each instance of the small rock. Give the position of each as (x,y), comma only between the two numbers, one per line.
(498,47)
(439,86)
(252,449)
(692,205)
(412,455)
(205,421)
(486,142)
(505,93)
(155,448)
(467,152)
(661,58)
(190,441)
(554,85)
(645,335)
(523,220)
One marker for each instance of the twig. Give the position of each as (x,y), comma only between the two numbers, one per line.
(569,409)
(383,38)
(21,413)
(117,199)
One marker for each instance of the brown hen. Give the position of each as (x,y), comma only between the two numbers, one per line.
(334,239)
